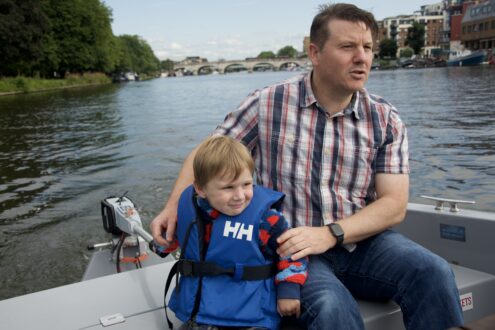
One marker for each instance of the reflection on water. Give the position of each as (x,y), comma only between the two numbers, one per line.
(62,152)
(449,114)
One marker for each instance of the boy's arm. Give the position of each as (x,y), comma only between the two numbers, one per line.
(291,273)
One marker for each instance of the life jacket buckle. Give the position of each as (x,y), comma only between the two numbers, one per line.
(186,267)
(238,272)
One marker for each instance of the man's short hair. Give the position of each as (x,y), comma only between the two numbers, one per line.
(220,155)
(343,11)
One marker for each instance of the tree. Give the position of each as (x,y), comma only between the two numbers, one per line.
(137,55)
(83,35)
(167,65)
(416,37)
(287,51)
(406,52)
(23,25)
(388,48)
(266,54)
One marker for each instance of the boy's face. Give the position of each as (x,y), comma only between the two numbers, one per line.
(226,195)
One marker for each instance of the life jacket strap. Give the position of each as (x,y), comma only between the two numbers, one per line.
(240,272)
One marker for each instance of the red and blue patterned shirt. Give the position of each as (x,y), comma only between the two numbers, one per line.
(325,165)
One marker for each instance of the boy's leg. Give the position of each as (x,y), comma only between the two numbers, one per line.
(390,266)
(325,302)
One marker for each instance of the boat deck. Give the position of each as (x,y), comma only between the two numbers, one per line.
(138,296)
(462,238)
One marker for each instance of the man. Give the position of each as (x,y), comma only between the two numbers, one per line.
(340,155)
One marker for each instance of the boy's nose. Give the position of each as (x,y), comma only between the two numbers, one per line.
(238,193)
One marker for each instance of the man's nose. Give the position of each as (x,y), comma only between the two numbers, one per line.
(360,54)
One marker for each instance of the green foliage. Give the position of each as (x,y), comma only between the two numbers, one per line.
(167,65)
(388,48)
(266,54)
(137,56)
(44,37)
(24,84)
(83,35)
(22,27)
(416,37)
(287,51)
(406,52)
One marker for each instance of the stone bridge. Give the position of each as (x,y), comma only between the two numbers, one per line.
(243,65)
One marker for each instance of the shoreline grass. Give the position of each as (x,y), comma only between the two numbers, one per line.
(26,85)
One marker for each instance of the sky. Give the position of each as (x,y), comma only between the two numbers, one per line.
(229,29)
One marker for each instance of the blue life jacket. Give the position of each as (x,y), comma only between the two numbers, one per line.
(237,297)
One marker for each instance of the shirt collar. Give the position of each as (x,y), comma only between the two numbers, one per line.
(205,206)
(307,98)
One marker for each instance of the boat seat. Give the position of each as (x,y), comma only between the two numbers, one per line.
(138,296)
(476,288)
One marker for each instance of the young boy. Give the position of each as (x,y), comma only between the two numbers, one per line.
(227,229)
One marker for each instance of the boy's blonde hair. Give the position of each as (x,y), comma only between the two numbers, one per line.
(220,155)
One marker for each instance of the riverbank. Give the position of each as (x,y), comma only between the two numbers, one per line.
(9,86)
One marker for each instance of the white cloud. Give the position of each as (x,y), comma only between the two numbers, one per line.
(176,46)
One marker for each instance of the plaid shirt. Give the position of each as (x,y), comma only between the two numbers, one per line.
(325,164)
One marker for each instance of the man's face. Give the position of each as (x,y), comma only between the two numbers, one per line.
(344,62)
(227,195)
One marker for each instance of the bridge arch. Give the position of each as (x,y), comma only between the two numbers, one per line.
(288,66)
(207,69)
(235,67)
(264,66)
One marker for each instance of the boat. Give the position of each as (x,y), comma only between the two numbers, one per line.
(466,58)
(123,285)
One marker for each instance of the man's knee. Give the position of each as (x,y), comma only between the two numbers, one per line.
(333,311)
(435,269)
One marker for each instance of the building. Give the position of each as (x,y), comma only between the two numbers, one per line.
(306,45)
(478,26)
(398,27)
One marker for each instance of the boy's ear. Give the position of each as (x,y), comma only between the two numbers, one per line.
(199,191)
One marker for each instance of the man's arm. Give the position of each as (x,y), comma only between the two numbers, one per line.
(166,220)
(387,211)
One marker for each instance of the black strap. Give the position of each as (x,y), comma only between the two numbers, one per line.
(173,272)
(245,273)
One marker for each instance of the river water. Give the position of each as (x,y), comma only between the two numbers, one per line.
(62,152)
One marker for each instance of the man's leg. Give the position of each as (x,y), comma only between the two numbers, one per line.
(325,302)
(390,266)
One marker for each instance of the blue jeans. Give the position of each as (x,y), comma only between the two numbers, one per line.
(383,267)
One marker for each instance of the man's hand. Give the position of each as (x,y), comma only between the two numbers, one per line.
(288,307)
(165,222)
(302,241)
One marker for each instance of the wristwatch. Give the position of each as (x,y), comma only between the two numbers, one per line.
(337,232)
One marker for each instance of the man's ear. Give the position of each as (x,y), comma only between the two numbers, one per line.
(199,191)
(313,52)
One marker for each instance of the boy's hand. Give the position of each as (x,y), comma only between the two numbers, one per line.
(288,307)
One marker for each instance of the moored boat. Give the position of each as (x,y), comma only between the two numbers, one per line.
(466,58)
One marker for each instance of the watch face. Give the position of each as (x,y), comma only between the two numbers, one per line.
(336,230)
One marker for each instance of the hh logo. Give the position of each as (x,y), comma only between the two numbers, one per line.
(238,230)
